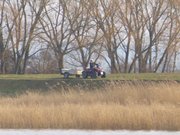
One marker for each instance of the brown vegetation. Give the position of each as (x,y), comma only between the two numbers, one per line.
(118,106)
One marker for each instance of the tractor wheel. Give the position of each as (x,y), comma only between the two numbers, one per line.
(103,75)
(93,75)
(84,75)
(66,75)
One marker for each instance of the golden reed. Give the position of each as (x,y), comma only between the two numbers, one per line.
(117,106)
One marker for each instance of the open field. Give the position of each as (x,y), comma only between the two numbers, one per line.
(128,105)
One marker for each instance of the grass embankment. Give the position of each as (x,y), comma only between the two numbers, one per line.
(126,105)
(121,76)
(12,84)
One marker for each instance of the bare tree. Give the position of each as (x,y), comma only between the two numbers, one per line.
(130,35)
(21,23)
(56,29)
(157,22)
(146,23)
(104,13)
(171,38)
(85,32)
(4,40)
(2,44)
(1,36)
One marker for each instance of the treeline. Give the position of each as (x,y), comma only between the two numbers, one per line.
(40,36)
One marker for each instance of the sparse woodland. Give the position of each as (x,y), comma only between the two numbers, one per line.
(41,36)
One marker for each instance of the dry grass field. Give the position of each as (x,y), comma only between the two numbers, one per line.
(131,105)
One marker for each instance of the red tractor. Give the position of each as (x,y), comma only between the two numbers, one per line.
(93,72)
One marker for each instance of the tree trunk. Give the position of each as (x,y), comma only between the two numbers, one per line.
(127,54)
(17,69)
(25,61)
(113,63)
(132,64)
(150,61)
(174,62)
(60,62)
(1,51)
(162,58)
(165,63)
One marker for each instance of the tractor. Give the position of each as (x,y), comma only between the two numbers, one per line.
(93,72)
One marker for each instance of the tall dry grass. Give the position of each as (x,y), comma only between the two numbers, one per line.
(129,105)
